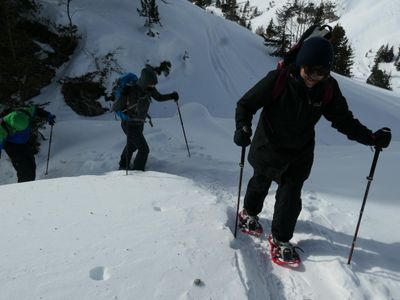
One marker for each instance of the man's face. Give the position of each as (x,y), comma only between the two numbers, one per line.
(313,75)
(150,87)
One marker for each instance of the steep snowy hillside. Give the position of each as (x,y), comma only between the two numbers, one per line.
(221,54)
(369,24)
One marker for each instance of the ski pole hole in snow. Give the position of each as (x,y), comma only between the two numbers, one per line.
(234,244)
(198,282)
(99,273)
(156,208)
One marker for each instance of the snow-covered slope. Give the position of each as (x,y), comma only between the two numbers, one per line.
(150,235)
(369,24)
(221,54)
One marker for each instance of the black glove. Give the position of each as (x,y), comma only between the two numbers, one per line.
(175,96)
(242,136)
(51,119)
(382,137)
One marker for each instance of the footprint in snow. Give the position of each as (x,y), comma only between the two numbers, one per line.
(156,208)
(99,273)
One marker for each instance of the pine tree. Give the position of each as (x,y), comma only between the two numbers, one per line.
(330,11)
(379,55)
(283,16)
(202,3)
(384,54)
(390,55)
(17,60)
(150,12)
(319,14)
(249,26)
(229,10)
(343,51)
(397,63)
(379,78)
(270,34)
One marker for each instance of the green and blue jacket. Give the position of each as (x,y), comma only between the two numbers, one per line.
(16,128)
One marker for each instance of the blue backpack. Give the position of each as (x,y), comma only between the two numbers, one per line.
(121,83)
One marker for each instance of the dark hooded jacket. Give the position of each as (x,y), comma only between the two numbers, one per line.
(285,129)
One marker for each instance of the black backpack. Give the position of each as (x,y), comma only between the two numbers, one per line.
(283,76)
(324,31)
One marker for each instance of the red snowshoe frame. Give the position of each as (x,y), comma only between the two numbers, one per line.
(276,257)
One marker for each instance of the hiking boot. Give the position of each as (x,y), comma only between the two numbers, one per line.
(284,251)
(249,224)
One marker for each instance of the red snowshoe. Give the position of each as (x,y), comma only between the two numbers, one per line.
(283,253)
(249,224)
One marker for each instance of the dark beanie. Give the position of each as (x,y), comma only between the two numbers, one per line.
(315,51)
(148,77)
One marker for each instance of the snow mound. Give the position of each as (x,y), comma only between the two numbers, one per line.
(104,237)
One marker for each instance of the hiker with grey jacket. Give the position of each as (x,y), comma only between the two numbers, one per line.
(292,100)
(134,105)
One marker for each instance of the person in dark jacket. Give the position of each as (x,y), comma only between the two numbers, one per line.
(282,148)
(15,131)
(135,104)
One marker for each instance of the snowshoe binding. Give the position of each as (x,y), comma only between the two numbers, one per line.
(284,253)
(249,224)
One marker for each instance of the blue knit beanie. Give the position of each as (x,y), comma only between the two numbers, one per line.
(315,51)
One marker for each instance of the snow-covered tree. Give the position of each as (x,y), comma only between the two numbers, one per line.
(202,3)
(149,10)
(397,63)
(228,8)
(385,54)
(343,51)
(379,78)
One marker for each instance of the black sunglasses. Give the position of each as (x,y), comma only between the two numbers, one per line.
(317,70)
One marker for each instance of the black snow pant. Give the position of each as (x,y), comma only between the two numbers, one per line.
(23,159)
(288,195)
(135,141)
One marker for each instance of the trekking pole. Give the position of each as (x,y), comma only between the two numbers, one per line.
(241,164)
(369,178)
(126,148)
(48,153)
(183,128)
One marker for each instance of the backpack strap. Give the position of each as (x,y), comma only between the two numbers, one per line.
(280,84)
(4,125)
(328,91)
(24,111)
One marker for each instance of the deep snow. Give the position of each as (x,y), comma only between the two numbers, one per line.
(86,231)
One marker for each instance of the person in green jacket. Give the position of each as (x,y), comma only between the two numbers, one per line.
(15,131)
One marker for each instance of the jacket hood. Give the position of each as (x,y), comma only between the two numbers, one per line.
(147,77)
